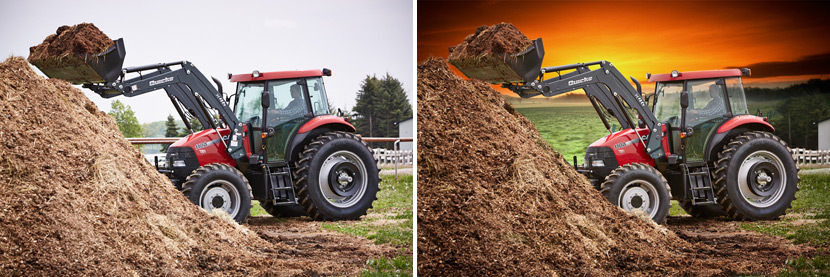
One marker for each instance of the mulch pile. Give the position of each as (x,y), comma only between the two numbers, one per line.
(502,38)
(495,199)
(77,199)
(83,38)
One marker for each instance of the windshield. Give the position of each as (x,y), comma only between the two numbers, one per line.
(248,106)
(667,108)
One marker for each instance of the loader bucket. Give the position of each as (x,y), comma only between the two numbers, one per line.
(504,68)
(85,68)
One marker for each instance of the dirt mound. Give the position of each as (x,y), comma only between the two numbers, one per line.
(495,199)
(78,199)
(502,38)
(83,38)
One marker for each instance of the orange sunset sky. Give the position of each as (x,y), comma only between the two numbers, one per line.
(782,42)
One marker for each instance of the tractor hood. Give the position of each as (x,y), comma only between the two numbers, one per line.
(207,146)
(626,146)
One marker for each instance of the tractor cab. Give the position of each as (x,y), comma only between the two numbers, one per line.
(295,97)
(713,97)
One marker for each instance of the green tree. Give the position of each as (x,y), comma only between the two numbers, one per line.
(126,120)
(195,124)
(171,131)
(381,104)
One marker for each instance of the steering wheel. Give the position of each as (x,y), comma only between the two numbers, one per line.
(672,120)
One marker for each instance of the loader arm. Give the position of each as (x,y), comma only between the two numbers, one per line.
(605,85)
(186,86)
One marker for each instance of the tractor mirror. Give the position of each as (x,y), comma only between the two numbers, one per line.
(684,99)
(266,99)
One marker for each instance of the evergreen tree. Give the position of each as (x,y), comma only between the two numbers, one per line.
(126,120)
(171,131)
(381,104)
(195,124)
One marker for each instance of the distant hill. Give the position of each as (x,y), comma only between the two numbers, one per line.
(156,130)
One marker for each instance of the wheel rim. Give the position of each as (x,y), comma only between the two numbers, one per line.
(762,179)
(220,194)
(639,194)
(342,179)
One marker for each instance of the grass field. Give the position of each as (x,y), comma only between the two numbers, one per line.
(568,128)
(388,222)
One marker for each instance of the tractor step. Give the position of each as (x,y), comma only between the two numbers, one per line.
(282,186)
(699,183)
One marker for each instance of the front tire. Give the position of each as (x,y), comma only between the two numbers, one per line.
(336,177)
(220,186)
(638,186)
(755,177)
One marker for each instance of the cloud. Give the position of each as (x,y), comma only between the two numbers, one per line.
(809,65)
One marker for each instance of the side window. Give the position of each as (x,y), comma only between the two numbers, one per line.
(287,101)
(317,95)
(737,100)
(702,92)
(705,101)
(281,93)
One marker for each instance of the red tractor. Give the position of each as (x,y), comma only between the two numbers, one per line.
(697,143)
(278,144)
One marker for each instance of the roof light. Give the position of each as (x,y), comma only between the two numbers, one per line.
(674,74)
(745,71)
(229,75)
(326,72)
(255,74)
(648,75)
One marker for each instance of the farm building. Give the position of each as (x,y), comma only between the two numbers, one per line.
(824,134)
(405,129)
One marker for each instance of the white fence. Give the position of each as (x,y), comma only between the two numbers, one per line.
(387,157)
(804,156)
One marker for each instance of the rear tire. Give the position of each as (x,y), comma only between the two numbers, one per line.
(220,186)
(292,210)
(336,177)
(703,211)
(638,186)
(755,177)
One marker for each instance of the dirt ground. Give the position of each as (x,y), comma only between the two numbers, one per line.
(724,241)
(303,241)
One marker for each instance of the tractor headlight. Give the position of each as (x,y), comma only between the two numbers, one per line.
(598,163)
(179,163)
(255,74)
(674,74)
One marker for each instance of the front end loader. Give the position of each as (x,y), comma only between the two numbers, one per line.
(278,144)
(696,143)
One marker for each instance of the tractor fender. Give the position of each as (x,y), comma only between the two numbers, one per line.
(314,128)
(325,120)
(732,128)
(743,120)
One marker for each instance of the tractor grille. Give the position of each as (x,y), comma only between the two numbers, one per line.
(604,154)
(175,156)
